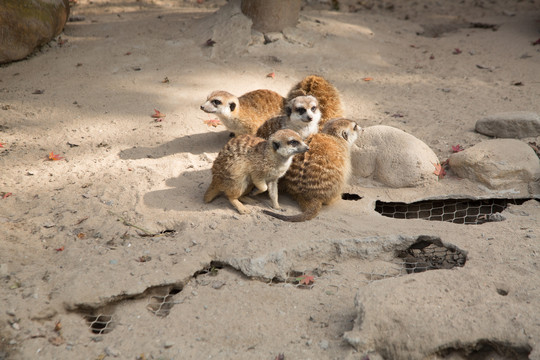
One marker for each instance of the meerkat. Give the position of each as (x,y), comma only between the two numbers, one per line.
(302,114)
(248,161)
(327,95)
(243,115)
(318,176)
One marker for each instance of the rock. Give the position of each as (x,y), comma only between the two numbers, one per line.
(28,24)
(393,158)
(228,29)
(498,164)
(517,124)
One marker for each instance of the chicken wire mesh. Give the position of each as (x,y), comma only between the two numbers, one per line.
(100,324)
(459,211)
(422,256)
(161,305)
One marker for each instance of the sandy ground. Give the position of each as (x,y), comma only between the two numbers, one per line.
(116,231)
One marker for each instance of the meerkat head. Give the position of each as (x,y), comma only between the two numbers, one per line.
(221,103)
(287,143)
(304,108)
(343,128)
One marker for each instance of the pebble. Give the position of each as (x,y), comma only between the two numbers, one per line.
(323,344)
(168,344)
(218,284)
(112,352)
(16,326)
(113,262)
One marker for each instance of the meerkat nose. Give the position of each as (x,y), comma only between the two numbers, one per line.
(202,107)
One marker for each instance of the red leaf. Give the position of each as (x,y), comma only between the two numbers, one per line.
(212,122)
(271,75)
(1,145)
(157,114)
(5,195)
(210,42)
(305,279)
(431,57)
(367,79)
(457,51)
(61,248)
(537,42)
(457,148)
(54,157)
(439,170)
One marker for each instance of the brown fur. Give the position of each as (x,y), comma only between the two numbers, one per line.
(317,177)
(247,161)
(243,115)
(327,95)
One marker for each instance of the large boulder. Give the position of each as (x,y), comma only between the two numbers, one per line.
(28,24)
(391,157)
(498,164)
(517,124)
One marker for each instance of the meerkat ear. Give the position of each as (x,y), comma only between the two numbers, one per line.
(275,145)
(232,106)
(345,135)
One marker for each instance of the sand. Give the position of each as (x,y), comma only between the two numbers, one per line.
(117,231)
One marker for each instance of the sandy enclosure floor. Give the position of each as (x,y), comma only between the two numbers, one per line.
(111,252)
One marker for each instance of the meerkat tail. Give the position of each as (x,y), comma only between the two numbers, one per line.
(211,193)
(311,210)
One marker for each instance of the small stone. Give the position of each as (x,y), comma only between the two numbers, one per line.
(168,344)
(212,226)
(218,284)
(10,312)
(517,124)
(323,344)
(113,262)
(16,326)
(112,352)
(4,270)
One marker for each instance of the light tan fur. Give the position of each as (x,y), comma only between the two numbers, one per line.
(317,177)
(243,115)
(302,115)
(248,161)
(327,95)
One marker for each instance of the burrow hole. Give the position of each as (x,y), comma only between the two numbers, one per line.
(427,253)
(459,211)
(100,324)
(487,350)
(162,299)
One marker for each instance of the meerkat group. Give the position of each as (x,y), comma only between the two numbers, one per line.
(301,139)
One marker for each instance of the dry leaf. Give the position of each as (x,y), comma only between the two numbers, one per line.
(367,79)
(439,170)
(54,157)
(61,248)
(58,326)
(457,148)
(271,75)
(158,114)
(4,195)
(212,122)
(305,279)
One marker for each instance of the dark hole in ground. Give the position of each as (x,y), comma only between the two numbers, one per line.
(347,196)
(161,304)
(431,254)
(487,350)
(99,324)
(459,211)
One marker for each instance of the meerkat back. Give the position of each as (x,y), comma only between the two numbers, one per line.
(327,95)
(261,105)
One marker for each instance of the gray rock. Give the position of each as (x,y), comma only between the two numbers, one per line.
(28,24)
(517,124)
(392,157)
(498,164)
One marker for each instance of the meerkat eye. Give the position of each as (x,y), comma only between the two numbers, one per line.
(301,111)
(216,102)
(314,108)
(294,143)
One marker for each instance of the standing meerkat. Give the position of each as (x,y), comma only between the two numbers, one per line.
(302,114)
(248,161)
(327,95)
(243,115)
(318,176)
